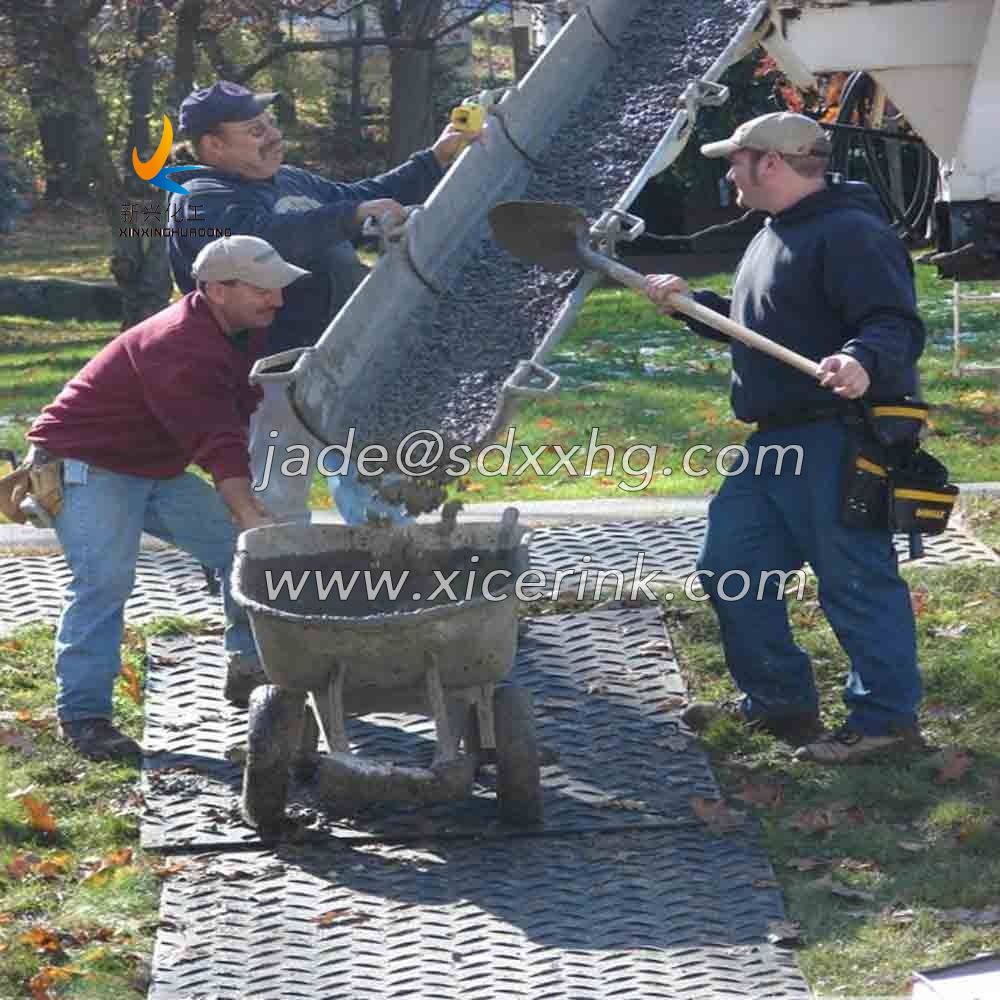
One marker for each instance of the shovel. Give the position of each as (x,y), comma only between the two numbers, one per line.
(557,236)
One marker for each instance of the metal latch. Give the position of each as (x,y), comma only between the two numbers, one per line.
(616,226)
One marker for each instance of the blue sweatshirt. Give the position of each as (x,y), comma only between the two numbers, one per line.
(307,219)
(826,276)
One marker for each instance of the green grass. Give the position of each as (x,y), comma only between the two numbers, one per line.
(923,849)
(100,926)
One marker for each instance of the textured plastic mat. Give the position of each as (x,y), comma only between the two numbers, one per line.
(168,582)
(638,549)
(672,915)
(605,686)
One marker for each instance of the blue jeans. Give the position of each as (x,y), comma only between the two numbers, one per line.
(100,527)
(776,520)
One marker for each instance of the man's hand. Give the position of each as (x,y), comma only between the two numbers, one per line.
(248,512)
(845,375)
(451,142)
(379,208)
(659,287)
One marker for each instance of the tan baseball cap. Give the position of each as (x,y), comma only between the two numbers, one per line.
(780,132)
(244,258)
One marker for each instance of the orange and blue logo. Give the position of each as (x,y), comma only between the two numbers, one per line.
(152,170)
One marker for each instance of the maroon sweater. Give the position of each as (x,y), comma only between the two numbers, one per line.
(169,392)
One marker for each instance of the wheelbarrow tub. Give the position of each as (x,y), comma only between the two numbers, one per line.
(387,647)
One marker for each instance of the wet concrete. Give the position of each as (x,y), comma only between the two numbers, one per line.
(444,369)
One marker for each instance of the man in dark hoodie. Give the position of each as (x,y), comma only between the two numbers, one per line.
(311,222)
(826,277)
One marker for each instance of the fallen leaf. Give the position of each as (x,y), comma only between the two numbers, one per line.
(672,703)
(39,815)
(903,917)
(717,815)
(768,795)
(765,883)
(953,767)
(133,686)
(949,631)
(7,918)
(912,846)
(807,864)
(786,932)
(343,917)
(918,599)
(21,865)
(844,891)
(41,939)
(16,741)
(165,871)
(50,976)
(655,646)
(817,821)
(630,805)
(858,865)
(54,866)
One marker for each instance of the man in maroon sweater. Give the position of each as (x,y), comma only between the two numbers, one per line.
(167,393)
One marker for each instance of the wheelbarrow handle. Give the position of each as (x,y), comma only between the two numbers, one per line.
(276,367)
(682,303)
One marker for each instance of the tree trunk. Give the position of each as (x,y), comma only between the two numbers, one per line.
(411,113)
(54,54)
(141,85)
(185,58)
(357,76)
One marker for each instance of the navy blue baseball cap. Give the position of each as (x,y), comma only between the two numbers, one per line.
(203,109)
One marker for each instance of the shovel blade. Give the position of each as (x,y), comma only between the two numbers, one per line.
(540,232)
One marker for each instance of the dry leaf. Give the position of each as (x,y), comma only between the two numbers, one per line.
(857,865)
(133,686)
(630,805)
(39,815)
(844,891)
(913,846)
(7,918)
(21,865)
(54,866)
(949,631)
(903,917)
(813,821)
(786,932)
(768,795)
(342,917)
(16,741)
(165,871)
(672,703)
(765,883)
(807,864)
(953,767)
(918,599)
(50,976)
(717,815)
(655,646)
(41,939)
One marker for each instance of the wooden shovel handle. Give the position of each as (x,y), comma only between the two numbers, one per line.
(682,303)
(745,335)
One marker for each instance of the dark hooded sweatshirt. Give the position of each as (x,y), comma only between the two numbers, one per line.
(306,218)
(826,276)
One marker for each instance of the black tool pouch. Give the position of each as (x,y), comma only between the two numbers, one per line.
(889,481)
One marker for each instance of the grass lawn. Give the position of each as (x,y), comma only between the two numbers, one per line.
(887,867)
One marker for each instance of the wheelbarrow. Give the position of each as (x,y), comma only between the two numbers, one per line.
(334,647)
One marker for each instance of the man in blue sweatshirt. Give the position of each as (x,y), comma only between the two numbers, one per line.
(826,277)
(311,222)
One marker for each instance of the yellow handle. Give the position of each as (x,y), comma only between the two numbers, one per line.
(468,117)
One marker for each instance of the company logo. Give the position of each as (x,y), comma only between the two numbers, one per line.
(152,170)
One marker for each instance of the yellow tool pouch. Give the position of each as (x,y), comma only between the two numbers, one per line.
(46,485)
(37,477)
(890,482)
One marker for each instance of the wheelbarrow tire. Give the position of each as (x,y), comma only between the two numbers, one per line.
(275,714)
(519,783)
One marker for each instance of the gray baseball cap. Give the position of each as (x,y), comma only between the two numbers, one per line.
(244,258)
(779,132)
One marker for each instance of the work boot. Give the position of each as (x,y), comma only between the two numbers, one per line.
(98,739)
(243,674)
(849,746)
(796,728)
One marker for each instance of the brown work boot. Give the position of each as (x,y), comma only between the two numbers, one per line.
(796,728)
(98,739)
(243,674)
(849,746)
